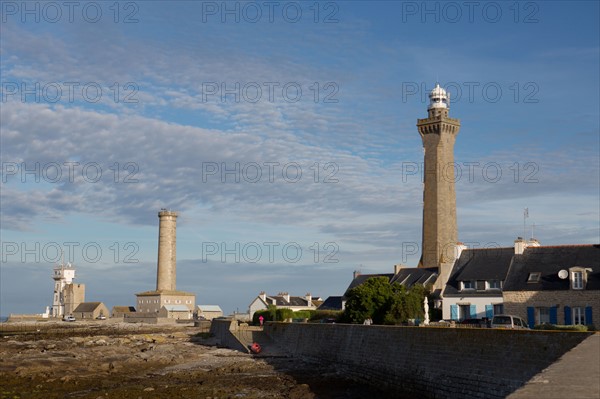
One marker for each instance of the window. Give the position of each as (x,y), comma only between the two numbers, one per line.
(543,315)
(498,309)
(468,285)
(464,312)
(579,316)
(534,277)
(577,280)
(480,285)
(494,284)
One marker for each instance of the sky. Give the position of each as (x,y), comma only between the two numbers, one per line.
(284,134)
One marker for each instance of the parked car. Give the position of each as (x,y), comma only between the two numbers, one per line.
(68,318)
(101,317)
(509,321)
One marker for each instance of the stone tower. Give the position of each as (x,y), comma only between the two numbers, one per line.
(438,133)
(167,246)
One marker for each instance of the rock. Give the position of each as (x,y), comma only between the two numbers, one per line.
(149,389)
(49,346)
(78,340)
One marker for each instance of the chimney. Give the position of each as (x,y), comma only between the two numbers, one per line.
(285,296)
(308,299)
(398,267)
(356,274)
(520,245)
(458,249)
(263,296)
(533,242)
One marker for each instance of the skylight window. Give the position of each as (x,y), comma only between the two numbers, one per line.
(534,277)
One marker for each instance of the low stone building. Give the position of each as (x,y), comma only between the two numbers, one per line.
(178,312)
(208,312)
(122,311)
(90,310)
(555,284)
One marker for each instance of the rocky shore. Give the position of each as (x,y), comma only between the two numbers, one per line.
(53,360)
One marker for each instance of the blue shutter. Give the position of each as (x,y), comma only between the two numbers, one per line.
(473,311)
(489,311)
(568,318)
(588,315)
(531,316)
(554,315)
(453,312)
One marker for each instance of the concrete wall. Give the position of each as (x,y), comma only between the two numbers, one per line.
(429,362)
(226,331)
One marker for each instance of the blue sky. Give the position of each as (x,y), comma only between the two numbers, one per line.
(110,113)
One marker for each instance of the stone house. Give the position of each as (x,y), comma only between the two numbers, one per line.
(152,301)
(178,312)
(208,312)
(90,310)
(555,284)
(474,289)
(122,311)
(283,300)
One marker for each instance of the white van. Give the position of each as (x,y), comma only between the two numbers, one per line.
(508,321)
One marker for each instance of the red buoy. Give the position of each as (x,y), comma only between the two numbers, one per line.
(255,348)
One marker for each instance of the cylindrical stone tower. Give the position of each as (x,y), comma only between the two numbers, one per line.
(167,246)
(438,132)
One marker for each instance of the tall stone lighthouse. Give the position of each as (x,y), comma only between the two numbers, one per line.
(166,269)
(166,302)
(440,234)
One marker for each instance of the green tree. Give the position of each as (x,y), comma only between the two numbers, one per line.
(368,300)
(383,302)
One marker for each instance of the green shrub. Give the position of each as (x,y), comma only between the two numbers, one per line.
(303,314)
(557,327)
(284,314)
(318,315)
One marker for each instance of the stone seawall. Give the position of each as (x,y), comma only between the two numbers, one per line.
(429,362)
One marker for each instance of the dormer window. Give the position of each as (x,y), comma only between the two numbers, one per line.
(468,285)
(577,280)
(494,284)
(534,277)
(578,277)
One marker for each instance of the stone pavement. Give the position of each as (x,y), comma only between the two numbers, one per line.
(576,375)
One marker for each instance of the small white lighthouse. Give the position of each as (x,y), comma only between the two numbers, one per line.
(66,294)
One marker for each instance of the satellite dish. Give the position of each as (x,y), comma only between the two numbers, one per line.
(563,274)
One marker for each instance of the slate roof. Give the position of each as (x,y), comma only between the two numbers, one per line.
(361,278)
(123,309)
(548,261)
(332,303)
(479,264)
(209,308)
(294,301)
(165,292)
(86,307)
(414,275)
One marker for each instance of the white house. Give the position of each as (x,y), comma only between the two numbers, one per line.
(282,300)
(474,289)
